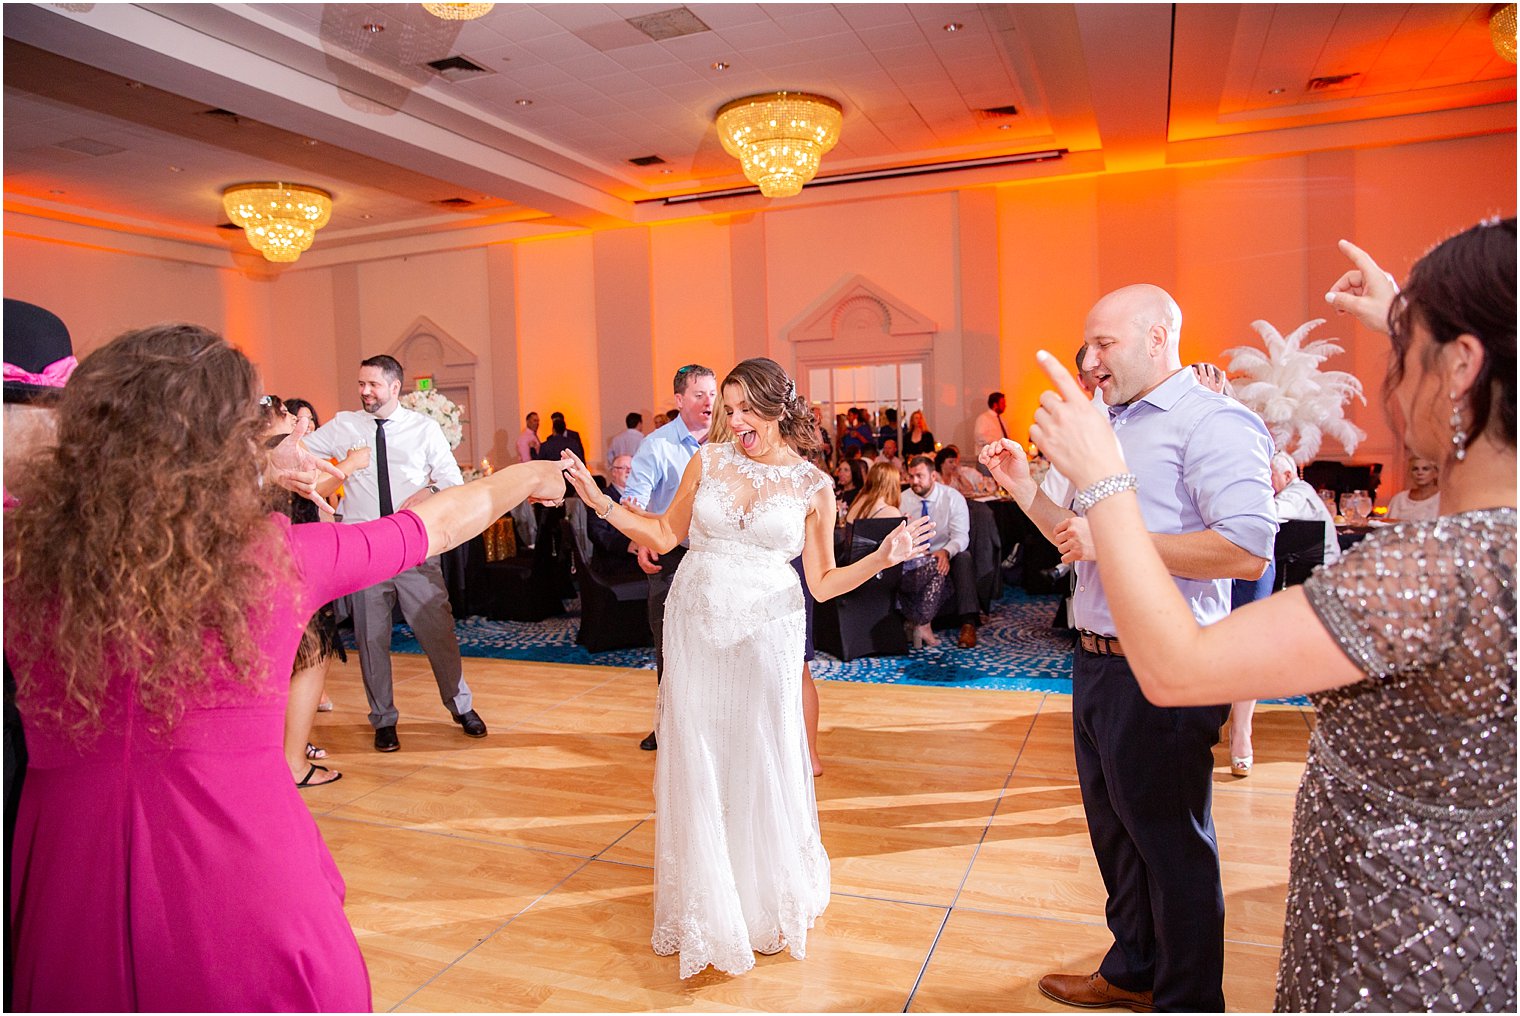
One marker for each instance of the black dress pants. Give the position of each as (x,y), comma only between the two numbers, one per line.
(1146,775)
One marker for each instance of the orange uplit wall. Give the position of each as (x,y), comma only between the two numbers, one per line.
(592,324)
(556,337)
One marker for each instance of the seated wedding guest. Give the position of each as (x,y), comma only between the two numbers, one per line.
(966,481)
(164,860)
(1401,892)
(918,439)
(949,557)
(627,443)
(889,454)
(1294,499)
(527,441)
(880,497)
(610,551)
(1422,501)
(849,478)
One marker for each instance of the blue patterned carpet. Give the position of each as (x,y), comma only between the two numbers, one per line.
(1017,650)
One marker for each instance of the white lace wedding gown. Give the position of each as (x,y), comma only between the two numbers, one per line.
(739,866)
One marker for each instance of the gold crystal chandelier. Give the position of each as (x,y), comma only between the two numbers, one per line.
(1501,29)
(280,219)
(458,12)
(780,138)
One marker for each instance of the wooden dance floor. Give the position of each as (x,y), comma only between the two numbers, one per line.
(515,872)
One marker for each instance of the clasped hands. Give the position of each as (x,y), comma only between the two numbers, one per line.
(297,470)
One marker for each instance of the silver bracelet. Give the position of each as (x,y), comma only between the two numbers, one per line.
(1106,487)
(611,504)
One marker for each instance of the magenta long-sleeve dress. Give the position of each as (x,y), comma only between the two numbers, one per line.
(182,871)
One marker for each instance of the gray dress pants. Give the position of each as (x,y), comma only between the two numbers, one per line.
(425,605)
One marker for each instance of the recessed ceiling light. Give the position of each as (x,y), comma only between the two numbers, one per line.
(525,102)
(134,84)
(310,141)
(176,169)
(719,65)
(55,191)
(1005,126)
(954,26)
(373,27)
(666,172)
(1276,91)
(366,215)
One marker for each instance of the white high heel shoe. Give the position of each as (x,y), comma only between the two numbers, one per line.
(1240,766)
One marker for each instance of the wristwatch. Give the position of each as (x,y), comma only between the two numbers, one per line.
(433,487)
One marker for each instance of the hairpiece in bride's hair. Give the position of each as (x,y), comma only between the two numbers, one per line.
(791,391)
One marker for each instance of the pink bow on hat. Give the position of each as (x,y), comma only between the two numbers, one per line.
(54,375)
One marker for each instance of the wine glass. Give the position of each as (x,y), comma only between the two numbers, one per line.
(1362,505)
(1328,496)
(1347,499)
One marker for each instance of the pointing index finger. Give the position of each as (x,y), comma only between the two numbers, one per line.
(1066,386)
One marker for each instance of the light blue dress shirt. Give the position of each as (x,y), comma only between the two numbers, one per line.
(658,465)
(1203,462)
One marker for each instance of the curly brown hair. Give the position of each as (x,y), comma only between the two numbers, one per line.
(142,544)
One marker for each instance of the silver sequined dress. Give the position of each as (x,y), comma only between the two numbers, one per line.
(1402,887)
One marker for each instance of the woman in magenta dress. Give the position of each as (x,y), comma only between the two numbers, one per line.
(163,859)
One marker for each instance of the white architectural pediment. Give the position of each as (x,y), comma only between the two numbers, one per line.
(425,350)
(858,308)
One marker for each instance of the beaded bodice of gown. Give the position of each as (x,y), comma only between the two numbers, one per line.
(1402,888)
(747,507)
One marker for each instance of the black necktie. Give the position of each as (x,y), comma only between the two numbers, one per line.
(386,507)
(1001,427)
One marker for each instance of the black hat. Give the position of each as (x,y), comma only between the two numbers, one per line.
(35,339)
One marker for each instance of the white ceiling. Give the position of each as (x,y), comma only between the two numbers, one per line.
(322,98)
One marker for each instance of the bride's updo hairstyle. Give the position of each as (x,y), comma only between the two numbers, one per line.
(772,395)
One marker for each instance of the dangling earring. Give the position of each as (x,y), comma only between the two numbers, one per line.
(1458,435)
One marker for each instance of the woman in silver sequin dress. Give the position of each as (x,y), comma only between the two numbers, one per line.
(1402,886)
(739,866)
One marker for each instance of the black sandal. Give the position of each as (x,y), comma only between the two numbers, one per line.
(311,771)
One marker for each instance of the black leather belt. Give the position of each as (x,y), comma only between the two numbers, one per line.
(1102,645)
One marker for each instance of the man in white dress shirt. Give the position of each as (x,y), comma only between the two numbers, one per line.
(410,461)
(950,549)
(989,425)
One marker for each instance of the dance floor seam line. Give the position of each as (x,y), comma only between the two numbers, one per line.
(491,934)
(463,837)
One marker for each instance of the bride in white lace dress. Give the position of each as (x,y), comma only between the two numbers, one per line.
(739,867)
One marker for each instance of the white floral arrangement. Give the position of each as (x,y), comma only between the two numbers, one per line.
(438,408)
(1284,385)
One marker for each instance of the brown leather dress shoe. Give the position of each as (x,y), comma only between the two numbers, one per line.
(1092,991)
(968,636)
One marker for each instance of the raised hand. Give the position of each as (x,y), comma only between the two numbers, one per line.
(907,541)
(581,479)
(1074,434)
(1365,291)
(296,469)
(1006,461)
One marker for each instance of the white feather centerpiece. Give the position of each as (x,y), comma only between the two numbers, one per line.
(1284,385)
